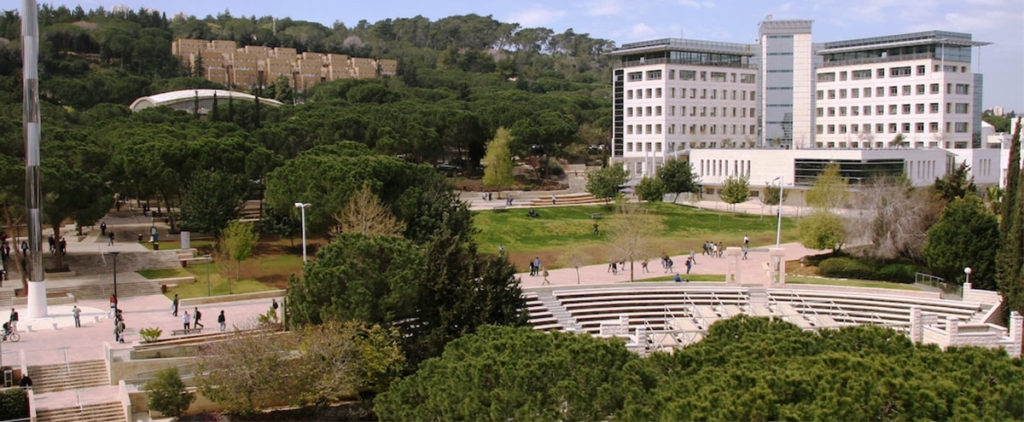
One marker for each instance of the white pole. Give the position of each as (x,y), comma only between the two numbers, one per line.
(778,231)
(303,208)
(33,197)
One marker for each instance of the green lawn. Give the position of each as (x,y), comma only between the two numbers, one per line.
(848,282)
(164,273)
(221,278)
(678,229)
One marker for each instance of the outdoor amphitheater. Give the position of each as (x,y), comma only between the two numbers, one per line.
(663,316)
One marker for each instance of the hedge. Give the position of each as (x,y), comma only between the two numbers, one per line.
(844,267)
(13,404)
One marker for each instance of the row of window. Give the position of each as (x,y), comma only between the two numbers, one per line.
(918,127)
(653,147)
(894,72)
(894,90)
(879,110)
(742,95)
(704,111)
(692,75)
(738,168)
(692,129)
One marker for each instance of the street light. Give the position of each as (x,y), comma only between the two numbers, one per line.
(968,272)
(778,231)
(302,206)
(114,255)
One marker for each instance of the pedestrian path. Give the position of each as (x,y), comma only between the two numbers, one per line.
(751,268)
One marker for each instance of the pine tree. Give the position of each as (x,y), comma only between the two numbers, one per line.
(1009,261)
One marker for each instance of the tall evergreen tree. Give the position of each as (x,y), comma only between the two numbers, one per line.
(1009,260)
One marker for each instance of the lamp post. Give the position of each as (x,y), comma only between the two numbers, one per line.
(302,207)
(778,231)
(968,272)
(114,255)
(209,261)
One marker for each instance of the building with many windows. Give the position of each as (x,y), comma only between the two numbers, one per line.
(674,95)
(906,104)
(915,90)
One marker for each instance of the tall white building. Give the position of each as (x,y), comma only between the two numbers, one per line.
(674,95)
(912,90)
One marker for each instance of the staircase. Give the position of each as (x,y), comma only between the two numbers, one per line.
(558,311)
(106,289)
(83,374)
(95,263)
(103,412)
(567,199)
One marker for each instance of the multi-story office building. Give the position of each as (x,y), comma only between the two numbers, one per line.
(786,65)
(911,90)
(673,95)
(896,105)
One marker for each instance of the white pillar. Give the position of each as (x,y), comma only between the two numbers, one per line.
(916,330)
(1016,334)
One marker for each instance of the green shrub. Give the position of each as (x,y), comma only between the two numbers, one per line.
(166,393)
(13,404)
(845,268)
(554,168)
(150,334)
(899,272)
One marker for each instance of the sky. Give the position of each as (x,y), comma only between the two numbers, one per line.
(1000,22)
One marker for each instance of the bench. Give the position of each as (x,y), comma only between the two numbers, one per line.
(498,208)
(190,331)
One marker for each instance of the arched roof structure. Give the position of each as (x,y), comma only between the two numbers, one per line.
(186,99)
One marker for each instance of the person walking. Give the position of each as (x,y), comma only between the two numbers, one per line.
(110,238)
(76,312)
(119,331)
(545,272)
(221,320)
(693,257)
(187,320)
(689,265)
(643,265)
(103,228)
(174,306)
(198,315)
(273,305)
(63,245)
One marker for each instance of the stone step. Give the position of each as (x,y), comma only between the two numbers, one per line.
(60,377)
(103,412)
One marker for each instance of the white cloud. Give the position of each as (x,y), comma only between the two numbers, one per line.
(697,4)
(537,16)
(641,31)
(604,7)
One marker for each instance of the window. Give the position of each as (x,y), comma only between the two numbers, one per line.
(704,93)
(933,108)
(629,129)
(629,94)
(867,110)
(831,94)
(842,76)
(879,110)
(693,92)
(855,93)
(906,128)
(906,89)
(880,73)
(629,111)
(649,111)
(671,73)
(880,91)
(636,76)
(935,88)
(861,74)
(648,93)
(654,75)
(657,129)
(919,108)
(831,111)
(867,92)
(920,89)
(827,77)
(657,92)
(949,88)
(961,127)
(842,93)
(842,111)
(919,127)
(879,128)
(962,89)
(899,71)
(657,110)
(820,112)
(648,129)
(921,69)
(639,94)
(747,78)
(831,129)
(933,127)
(671,92)
(671,111)
(819,129)
(855,110)
(892,127)
(893,108)
(949,108)
(961,108)
(906,109)
(842,128)
(821,94)
(854,128)
(894,91)
(866,128)
(687,75)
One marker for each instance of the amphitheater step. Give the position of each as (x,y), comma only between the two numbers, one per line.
(103,412)
(60,377)
(547,298)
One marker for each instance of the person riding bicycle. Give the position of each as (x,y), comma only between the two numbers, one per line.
(7,330)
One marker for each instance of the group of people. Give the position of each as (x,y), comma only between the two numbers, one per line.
(58,245)
(194,321)
(11,325)
(715,250)
(535,268)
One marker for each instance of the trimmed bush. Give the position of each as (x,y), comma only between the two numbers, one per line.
(13,404)
(846,267)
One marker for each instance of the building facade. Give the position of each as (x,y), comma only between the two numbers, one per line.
(913,90)
(674,95)
(906,104)
(223,62)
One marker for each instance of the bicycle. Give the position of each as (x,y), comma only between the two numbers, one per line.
(13,337)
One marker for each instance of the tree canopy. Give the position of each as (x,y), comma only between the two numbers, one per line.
(964,236)
(677,176)
(605,183)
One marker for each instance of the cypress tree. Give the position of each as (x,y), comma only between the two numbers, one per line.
(1009,260)
(213,110)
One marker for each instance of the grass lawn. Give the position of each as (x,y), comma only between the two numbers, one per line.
(678,229)
(222,281)
(848,282)
(164,273)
